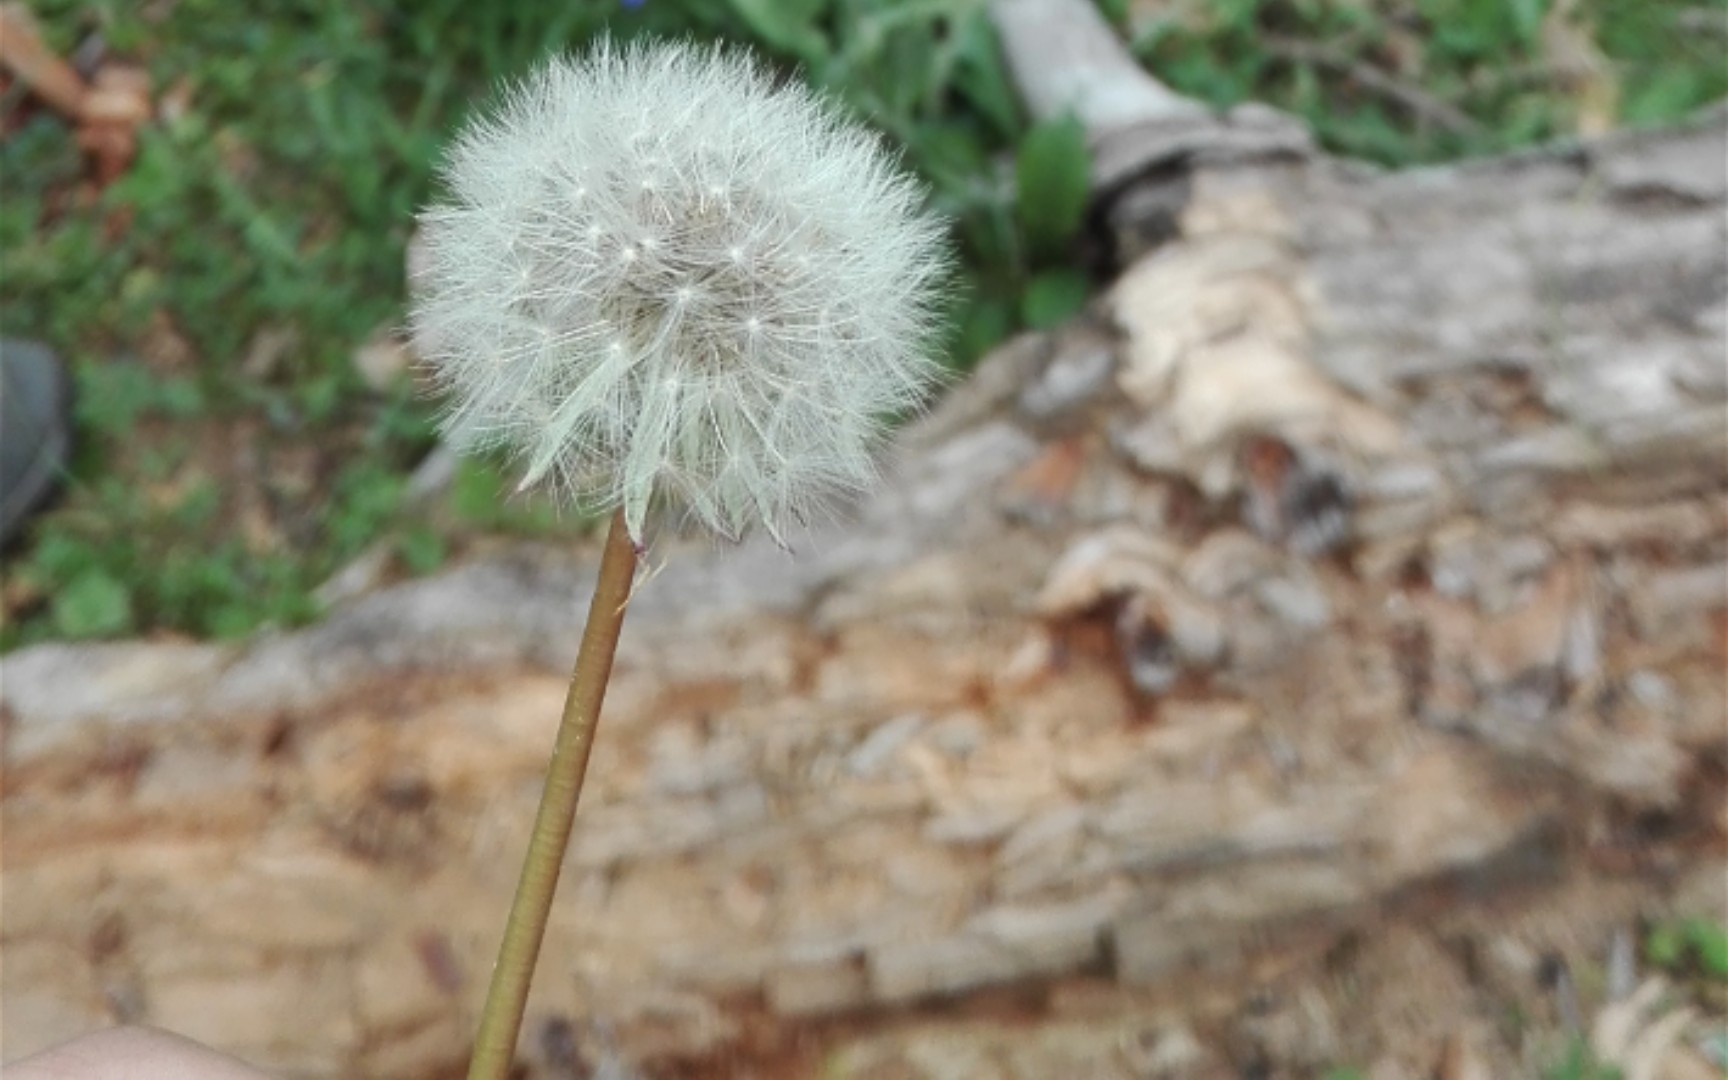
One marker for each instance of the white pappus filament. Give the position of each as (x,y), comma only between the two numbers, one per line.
(657,275)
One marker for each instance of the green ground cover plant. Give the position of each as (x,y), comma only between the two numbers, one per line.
(231,457)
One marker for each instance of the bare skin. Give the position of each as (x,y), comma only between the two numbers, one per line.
(129,1053)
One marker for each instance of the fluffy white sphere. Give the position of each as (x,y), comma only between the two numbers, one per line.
(658,274)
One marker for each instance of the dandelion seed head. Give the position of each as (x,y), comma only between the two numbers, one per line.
(716,312)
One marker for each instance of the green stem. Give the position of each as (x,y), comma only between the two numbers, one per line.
(501,1019)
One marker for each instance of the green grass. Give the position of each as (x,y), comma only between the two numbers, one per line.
(1694,945)
(1489,75)
(230,458)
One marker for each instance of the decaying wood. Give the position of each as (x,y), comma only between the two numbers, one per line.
(24,56)
(1348,584)
(108,110)
(1066,61)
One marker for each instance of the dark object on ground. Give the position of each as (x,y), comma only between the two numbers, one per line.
(35,429)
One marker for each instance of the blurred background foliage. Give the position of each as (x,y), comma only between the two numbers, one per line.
(240,459)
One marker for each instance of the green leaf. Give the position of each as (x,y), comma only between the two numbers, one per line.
(111,396)
(93,604)
(980,76)
(988,320)
(1580,1063)
(1666,96)
(1115,11)
(906,72)
(1710,941)
(197,507)
(421,550)
(231,621)
(1527,19)
(320,395)
(1053,297)
(475,492)
(1664,947)
(787,25)
(180,397)
(1235,14)
(1052,177)
(952,153)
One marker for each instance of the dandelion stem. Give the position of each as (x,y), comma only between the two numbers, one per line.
(501,1018)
